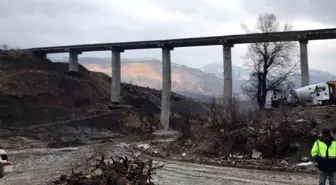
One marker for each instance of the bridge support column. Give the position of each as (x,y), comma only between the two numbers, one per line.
(227,64)
(73,61)
(116,77)
(304,63)
(166,87)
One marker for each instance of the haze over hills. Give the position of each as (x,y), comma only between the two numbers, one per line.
(148,73)
(241,75)
(201,83)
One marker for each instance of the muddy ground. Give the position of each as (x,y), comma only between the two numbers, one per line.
(41,101)
(38,166)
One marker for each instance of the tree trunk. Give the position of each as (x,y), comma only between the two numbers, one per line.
(259,91)
(263,91)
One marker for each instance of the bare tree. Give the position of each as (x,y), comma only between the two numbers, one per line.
(271,63)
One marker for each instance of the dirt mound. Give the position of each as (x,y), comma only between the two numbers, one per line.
(275,134)
(36,91)
(324,116)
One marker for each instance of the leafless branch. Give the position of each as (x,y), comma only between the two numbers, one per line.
(271,62)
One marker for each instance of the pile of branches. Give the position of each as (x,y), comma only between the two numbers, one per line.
(112,171)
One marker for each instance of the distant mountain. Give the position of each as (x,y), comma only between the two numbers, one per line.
(147,72)
(317,76)
(241,75)
(238,73)
(200,84)
(184,79)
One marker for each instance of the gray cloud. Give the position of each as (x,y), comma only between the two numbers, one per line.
(32,23)
(48,8)
(197,8)
(313,10)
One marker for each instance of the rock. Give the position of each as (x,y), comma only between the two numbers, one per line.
(256,154)
(305,159)
(123,145)
(284,162)
(184,154)
(143,146)
(97,172)
(305,164)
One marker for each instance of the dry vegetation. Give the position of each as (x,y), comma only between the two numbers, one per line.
(228,133)
(100,169)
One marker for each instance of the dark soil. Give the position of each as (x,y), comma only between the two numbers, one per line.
(36,91)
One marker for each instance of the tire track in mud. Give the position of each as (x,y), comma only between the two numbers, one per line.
(229,175)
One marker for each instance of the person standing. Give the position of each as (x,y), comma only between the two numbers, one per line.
(324,154)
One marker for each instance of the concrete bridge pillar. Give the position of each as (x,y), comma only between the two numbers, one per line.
(304,63)
(73,61)
(116,77)
(227,64)
(166,87)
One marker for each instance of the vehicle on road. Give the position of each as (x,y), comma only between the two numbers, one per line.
(5,165)
(316,94)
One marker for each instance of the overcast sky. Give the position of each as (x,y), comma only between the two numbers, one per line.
(35,23)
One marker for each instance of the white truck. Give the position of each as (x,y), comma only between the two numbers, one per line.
(5,165)
(317,94)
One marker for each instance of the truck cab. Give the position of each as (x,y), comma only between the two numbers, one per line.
(332,91)
(321,94)
(317,94)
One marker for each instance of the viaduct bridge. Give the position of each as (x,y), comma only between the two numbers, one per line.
(168,45)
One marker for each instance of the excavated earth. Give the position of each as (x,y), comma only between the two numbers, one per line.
(41,100)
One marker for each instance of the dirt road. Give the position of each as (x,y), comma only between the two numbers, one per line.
(40,166)
(189,173)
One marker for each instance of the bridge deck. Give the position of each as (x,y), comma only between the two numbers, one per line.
(200,41)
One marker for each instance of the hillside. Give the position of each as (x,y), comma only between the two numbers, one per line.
(148,73)
(36,91)
(186,81)
(201,84)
